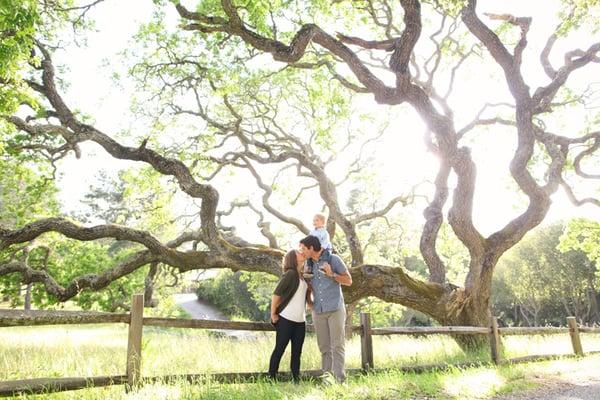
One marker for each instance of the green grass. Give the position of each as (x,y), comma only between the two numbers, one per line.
(61,351)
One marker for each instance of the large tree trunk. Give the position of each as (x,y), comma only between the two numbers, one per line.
(466,309)
(447,304)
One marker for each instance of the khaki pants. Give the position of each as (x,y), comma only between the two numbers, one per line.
(331,336)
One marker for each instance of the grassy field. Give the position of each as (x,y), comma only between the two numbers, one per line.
(62,351)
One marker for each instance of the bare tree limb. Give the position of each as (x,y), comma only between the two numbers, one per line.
(383,211)
(433,221)
(524,23)
(590,150)
(263,225)
(573,198)
(574,60)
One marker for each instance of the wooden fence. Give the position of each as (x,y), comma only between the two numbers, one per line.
(135,319)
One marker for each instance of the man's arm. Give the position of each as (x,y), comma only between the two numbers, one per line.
(338,272)
(343,279)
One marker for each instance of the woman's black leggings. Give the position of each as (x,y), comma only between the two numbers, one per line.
(287,330)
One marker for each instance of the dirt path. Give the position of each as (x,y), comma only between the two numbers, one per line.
(578,380)
(589,390)
(199,309)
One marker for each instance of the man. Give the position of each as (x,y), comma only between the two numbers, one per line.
(329,311)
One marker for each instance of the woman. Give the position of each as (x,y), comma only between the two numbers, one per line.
(288,313)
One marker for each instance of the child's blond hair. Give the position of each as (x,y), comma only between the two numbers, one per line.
(321,216)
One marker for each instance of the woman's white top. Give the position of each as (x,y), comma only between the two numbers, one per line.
(294,311)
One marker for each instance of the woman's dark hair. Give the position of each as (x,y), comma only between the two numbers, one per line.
(312,241)
(290,261)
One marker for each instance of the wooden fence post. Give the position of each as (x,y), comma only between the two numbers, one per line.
(366,342)
(134,342)
(495,344)
(575,339)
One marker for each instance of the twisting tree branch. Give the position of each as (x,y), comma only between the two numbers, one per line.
(264,226)
(589,151)
(574,199)
(524,23)
(574,60)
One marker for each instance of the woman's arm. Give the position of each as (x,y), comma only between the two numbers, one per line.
(282,287)
(275,300)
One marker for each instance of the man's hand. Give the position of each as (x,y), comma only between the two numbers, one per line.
(326,268)
(274,318)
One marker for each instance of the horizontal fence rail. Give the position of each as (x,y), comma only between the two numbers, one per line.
(10,318)
(543,330)
(47,385)
(36,317)
(431,330)
(219,324)
(589,329)
(136,321)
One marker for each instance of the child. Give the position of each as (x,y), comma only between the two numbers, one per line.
(321,233)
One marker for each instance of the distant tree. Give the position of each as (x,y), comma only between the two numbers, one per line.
(537,284)
(239,294)
(584,235)
(25,196)
(18,23)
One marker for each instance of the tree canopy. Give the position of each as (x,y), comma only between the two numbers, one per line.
(279,92)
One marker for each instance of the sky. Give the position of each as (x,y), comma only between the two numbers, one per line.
(401,157)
